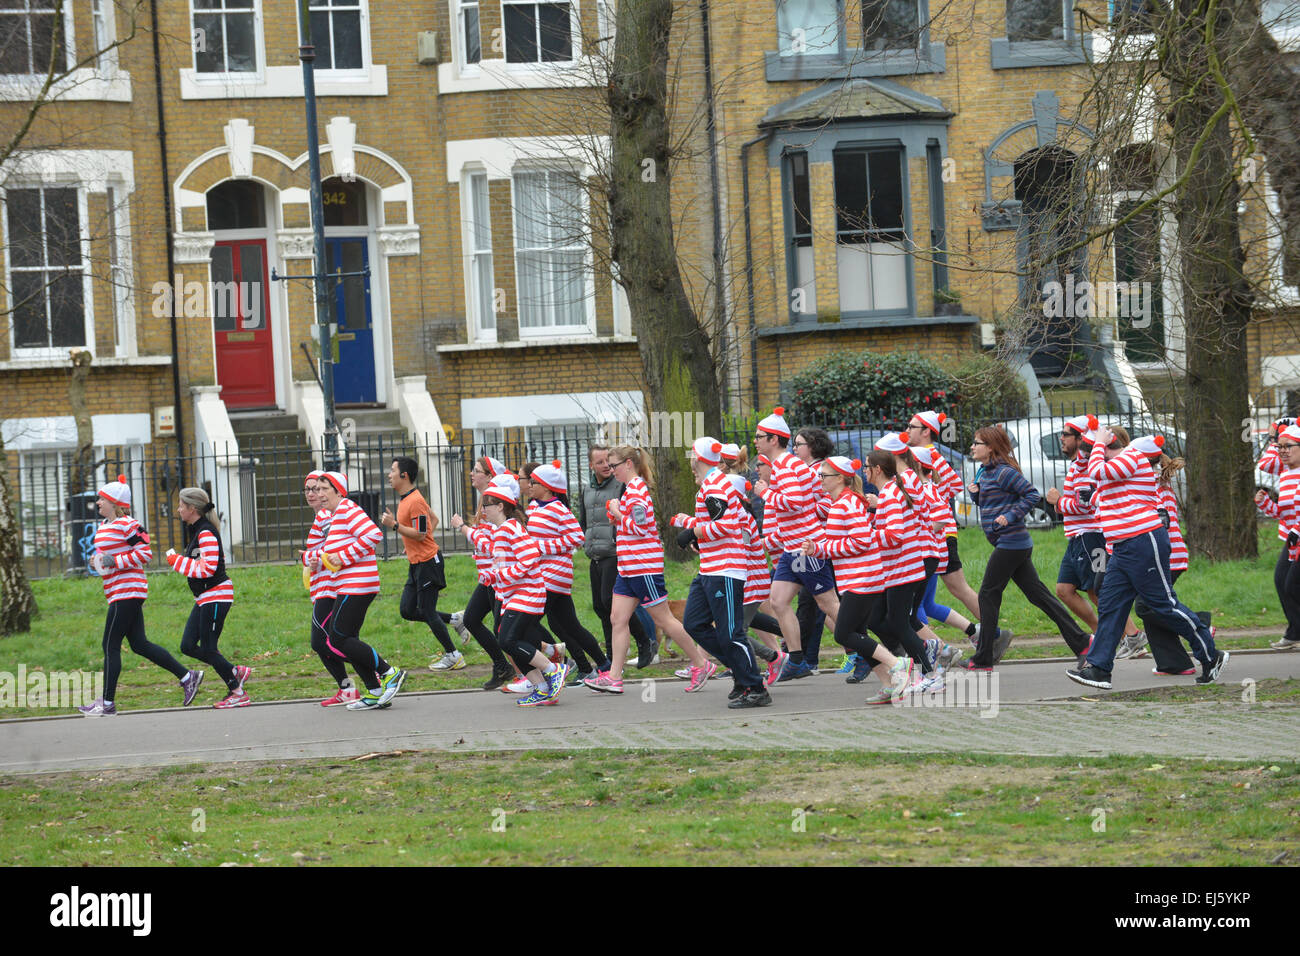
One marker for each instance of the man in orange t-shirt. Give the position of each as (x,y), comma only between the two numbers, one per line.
(415,522)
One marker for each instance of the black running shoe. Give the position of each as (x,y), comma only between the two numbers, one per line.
(1213,671)
(500,676)
(736,692)
(1090,676)
(751,697)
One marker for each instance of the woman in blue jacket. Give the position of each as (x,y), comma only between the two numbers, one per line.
(1004,497)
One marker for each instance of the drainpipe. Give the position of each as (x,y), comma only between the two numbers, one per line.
(749,264)
(169,225)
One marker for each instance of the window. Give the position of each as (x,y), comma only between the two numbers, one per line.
(1034,20)
(803,280)
(104,34)
(481,290)
(32,32)
(471,41)
(808,27)
(344,203)
(538,32)
(225,36)
(1133,16)
(236,204)
(1137,263)
(46,268)
(550,252)
(336,33)
(871,252)
(43,488)
(891,25)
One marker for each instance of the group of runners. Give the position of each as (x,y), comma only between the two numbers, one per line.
(808,540)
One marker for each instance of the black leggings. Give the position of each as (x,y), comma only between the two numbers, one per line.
(563,620)
(602,572)
(931,566)
(420,599)
(125,621)
(1286,580)
(1006,564)
(481,603)
(202,631)
(851,622)
(517,637)
(320,622)
(889,619)
(344,638)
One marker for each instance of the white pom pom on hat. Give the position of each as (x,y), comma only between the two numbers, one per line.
(117,492)
(775,423)
(708,449)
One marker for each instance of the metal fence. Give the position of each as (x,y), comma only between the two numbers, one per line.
(258,492)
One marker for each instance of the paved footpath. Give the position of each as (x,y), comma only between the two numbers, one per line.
(1024,708)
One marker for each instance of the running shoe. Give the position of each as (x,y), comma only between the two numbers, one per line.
(751,697)
(1092,639)
(242,674)
(521,686)
(970,665)
(1091,676)
(451,661)
(1132,645)
(535,699)
(190,685)
(1186,673)
(931,683)
(723,674)
(236,698)
(932,652)
(900,678)
(346,695)
(1212,671)
(793,671)
(774,667)
(647,656)
(1284,644)
(557,653)
(948,656)
(367,701)
(603,684)
(500,676)
(847,663)
(390,684)
(700,676)
(1003,642)
(555,681)
(884,696)
(736,691)
(99,709)
(683,673)
(861,668)
(458,625)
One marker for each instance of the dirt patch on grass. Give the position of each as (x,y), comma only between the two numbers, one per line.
(862,783)
(1269,690)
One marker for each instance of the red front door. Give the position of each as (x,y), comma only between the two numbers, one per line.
(241,321)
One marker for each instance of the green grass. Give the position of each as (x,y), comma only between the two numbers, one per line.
(268,626)
(1277,691)
(660,809)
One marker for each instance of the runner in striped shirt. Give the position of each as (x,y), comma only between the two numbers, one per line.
(1282,458)
(812,445)
(348,551)
(715,609)
(1085,545)
(557,533)
(320,588)
(789,517)
(1167,650)
(120,555)
(941,520)
(515,574)
(1138,565)
(850,539)
(204,565)
(640,579)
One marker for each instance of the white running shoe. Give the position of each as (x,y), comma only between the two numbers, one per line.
(521,686)
(458,625)
(451,661)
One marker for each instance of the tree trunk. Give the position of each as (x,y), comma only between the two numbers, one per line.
(17,605)
(82,461)
(1216,295)
(679,371)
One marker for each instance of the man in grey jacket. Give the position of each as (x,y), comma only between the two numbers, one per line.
(600,548)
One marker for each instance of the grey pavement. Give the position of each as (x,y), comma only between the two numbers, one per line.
(1023,708)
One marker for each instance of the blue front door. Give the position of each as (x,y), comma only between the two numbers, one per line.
(349,304)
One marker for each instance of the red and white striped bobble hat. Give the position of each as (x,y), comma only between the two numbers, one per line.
(493,467)
(504,487)
(764,460)
(552,476)
(118,492)
(843,465)
(743,487)
(707,449)
(1151,445)
(1292,432)
(313,475)
(338,480)
(730,451)
(893,442)
(926,457)
(775,424)
(931,420)
(1082,425)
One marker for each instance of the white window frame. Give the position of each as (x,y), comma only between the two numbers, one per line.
(606,27)
(225,78)
(575,36)
(492,72)
(474,178)
(103,82)
(87,290)
(588,327)
(69,48)
(460,50)
(363,73)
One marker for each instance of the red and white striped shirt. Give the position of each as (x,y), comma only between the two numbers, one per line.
(322,581)
(480,536)
(1287,507)
(823,504)
(351,542)
(1079,518)
(902,542)
(941,515)
(1270,463)
(790,502)
(758,583)
(637,537)
(204,566)
(1129,495)
(1177,546)
(851,542)
(558,535)
(125,562)
(948,485)
(516,569)
(722,550)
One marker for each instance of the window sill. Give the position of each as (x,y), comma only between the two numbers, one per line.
(280,82)
(855,64)
(881,322)
(84,84)
(1009,55)
(110,361)
(558,341)
(497,75)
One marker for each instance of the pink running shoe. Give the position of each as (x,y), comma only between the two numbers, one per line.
(346,695)
(774,668)
(700,676)
(603,684)
(236,698)
(242,674)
